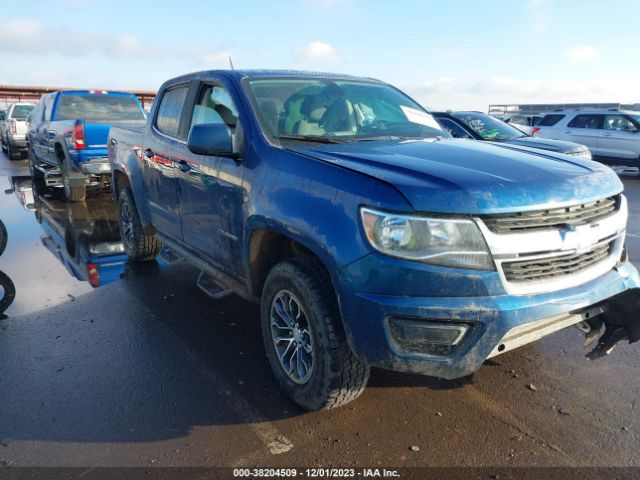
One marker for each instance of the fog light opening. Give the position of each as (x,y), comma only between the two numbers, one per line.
(427,337)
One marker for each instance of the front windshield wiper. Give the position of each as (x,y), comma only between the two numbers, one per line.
(312,138)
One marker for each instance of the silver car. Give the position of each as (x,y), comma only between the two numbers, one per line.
(613,136)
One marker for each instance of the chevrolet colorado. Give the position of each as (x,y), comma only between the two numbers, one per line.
(369,236)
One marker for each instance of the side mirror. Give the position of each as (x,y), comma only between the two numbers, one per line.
(211,139)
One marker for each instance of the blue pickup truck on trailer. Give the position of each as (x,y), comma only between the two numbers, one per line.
(67,136)
(367,234)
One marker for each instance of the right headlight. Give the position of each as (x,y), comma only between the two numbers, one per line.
(439,241)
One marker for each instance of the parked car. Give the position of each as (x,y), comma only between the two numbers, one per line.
(479,126)
(613,136)
(68,136)
(367,235)
(526,123)
(83,236)
(13,130)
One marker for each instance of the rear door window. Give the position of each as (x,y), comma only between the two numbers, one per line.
(170,110)
(550,120)
(619,122)
(586,121)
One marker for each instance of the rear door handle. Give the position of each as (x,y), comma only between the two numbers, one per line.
(184,166)
(148,153)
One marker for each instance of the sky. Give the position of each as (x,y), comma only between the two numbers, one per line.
(447,54)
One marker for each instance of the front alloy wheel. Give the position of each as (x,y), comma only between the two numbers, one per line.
(291,336)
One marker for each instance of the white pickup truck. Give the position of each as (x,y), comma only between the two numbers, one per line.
(13,130)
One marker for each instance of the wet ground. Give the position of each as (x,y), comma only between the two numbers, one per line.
(144,369)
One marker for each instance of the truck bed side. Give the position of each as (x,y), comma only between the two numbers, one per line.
(124,149)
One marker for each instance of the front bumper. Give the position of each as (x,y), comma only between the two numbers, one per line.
(491,318)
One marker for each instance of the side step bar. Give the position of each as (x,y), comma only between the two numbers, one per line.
(214,275)
(209,286)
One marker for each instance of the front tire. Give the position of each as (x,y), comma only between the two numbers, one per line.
(304,339)
(138,245)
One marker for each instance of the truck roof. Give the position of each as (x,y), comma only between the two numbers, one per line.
(95,92)
(261,73)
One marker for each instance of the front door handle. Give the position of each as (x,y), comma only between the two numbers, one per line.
(184,166)
(148,153)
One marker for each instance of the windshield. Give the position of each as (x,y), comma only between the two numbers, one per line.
(99,108)
(635,116)
(20,112)
(489,128)
(327,110)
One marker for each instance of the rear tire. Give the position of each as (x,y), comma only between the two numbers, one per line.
(138,245)
(35,173)
(325,374)
(12,152)
(72,194)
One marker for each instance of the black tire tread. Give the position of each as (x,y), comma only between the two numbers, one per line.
(147,246)
(348,376)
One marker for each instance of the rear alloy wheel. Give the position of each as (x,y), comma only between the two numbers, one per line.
(138,245)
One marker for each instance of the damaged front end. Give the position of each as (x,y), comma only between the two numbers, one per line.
(619,317)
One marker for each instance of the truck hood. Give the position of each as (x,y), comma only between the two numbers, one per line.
(471,177)
(559,146)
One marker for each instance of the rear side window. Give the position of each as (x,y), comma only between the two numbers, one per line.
(586,121)
(98,108)
(550,120)
(21,112)
(170,110)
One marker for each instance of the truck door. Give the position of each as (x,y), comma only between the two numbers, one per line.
(43,149)
(211,193)
(161,155)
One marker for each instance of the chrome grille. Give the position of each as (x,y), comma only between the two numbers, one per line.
(553,217)
(554,267)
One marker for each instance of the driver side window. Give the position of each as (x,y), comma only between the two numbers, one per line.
(215,105)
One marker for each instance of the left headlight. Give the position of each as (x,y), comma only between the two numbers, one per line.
(439,241)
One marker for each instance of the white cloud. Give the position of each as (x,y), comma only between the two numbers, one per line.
(31,36)
(317,52)
(581,53)
(448,93)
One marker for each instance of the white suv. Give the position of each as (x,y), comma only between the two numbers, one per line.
(612,135)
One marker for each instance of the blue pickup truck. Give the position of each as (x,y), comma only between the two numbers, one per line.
(369,236)
(67,136)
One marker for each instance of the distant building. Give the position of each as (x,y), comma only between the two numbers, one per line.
(533,108)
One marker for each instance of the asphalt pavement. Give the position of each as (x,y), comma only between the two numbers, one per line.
(144,369)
